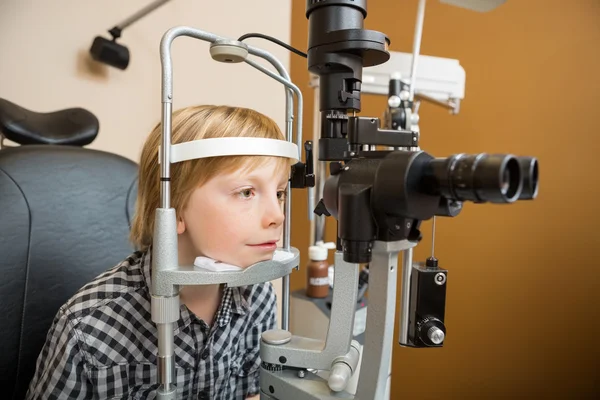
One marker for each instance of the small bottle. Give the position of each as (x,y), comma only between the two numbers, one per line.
(318,270)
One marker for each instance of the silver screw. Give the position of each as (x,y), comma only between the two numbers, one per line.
(440,278)
(301,373)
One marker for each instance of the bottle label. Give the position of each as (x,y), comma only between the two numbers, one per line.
(319,281)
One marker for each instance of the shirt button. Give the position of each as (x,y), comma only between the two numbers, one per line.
(203,395)
(204,354)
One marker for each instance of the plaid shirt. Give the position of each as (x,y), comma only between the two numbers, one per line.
(103,343)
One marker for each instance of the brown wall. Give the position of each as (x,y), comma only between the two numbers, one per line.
(523,294)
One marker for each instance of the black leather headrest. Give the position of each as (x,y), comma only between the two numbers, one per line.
(71,126)
(64,218)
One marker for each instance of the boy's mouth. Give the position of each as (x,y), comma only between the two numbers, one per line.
(270,245)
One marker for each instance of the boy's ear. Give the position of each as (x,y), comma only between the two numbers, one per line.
(180,225)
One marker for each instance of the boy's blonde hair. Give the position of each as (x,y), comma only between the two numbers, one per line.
(193,123)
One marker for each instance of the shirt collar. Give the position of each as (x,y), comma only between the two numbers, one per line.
(240,295)
(147,269)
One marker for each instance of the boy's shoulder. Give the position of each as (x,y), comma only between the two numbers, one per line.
(117,284)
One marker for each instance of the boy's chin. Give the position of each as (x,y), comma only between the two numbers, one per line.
(253,260)
(245,260)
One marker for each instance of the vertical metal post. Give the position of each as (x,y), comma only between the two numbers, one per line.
(416,49)
(407,260)
(379,336)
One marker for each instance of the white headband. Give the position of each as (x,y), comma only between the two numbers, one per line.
(233,146)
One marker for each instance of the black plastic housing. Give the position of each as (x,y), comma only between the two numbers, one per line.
(386,196)
(427,305)
(110,52)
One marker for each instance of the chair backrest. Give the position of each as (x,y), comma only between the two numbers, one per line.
(65,216)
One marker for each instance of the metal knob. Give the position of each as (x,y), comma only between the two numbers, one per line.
(394,101)
(228,51)
(436,335)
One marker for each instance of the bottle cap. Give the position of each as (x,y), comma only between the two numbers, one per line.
(318,252)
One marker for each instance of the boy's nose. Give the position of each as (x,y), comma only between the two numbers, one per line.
(273,215)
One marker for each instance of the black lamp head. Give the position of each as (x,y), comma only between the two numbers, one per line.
(110,52)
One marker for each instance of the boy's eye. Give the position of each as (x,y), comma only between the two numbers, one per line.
(246,193)
(281,195)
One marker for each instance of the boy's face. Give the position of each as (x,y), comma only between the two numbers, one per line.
(235,218)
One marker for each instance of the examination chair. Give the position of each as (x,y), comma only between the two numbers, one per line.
(65,214)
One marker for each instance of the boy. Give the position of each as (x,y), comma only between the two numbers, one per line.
(103,343)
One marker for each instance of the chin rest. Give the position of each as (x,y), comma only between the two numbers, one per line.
(71,126)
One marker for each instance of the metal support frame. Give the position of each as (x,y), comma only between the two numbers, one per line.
(167,273)
(293,380)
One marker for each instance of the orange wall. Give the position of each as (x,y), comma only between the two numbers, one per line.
(523,294)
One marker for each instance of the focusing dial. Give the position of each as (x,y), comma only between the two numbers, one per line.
(431,331)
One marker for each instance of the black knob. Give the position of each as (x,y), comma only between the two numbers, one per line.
(431,262)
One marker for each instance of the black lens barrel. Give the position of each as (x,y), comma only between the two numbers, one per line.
(529,173)
(483,178)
